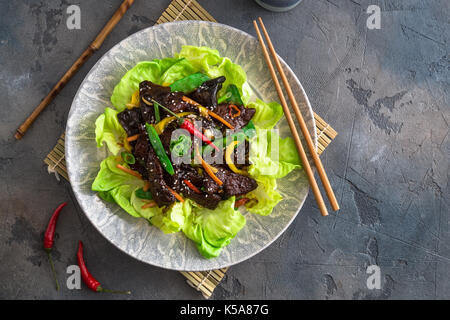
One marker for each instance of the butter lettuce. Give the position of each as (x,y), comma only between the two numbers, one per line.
(270,156)
(266,115)
(171,219)
(115,185)
(211,230)
(265,157)
(108,130)
(159,71)
(265,195)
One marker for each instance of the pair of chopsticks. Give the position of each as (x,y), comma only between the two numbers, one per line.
(93,47)
(304,129)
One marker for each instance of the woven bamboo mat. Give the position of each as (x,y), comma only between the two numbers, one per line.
(206,281)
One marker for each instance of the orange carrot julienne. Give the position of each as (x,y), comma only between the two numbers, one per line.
(208,168)
(132,138)
(150,204)
(211,173)
(216,116)
(191,186)
(175,194)
(129,171)
(190,101)
(146,186)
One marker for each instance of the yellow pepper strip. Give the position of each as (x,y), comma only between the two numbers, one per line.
(126,145)
(228,152)
(160,126)
(134,100)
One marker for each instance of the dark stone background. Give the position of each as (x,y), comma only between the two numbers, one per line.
(385,91)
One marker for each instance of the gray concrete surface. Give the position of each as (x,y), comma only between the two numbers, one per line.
(385,91)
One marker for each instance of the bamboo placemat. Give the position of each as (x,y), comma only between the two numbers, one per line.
(205,281)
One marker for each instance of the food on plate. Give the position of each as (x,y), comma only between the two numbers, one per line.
(188,148)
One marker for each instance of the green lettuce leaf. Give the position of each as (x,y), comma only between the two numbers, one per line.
(210,62)
(267,159)
(109,130)
(115,185)
(211,230)
(267,114)
(171,219)
(266,196)
(158,71)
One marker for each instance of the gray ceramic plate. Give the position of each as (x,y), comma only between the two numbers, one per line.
(135,236)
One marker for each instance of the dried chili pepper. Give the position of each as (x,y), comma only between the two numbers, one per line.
(88,279)
(49,237)
(233,111)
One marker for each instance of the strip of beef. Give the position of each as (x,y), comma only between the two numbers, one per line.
(209,201)
(171,100)
(228,113)
(206,94)
(158,186)
(131,120)
(237,185)
(233,184)
(140,152)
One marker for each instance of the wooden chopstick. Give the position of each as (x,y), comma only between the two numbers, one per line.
(93,47)
(306,165)
(298,144)
(317,162)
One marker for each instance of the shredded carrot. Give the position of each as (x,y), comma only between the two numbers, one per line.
(209,169)
(133,138)
(129,171)
(146,186)
(190,101)
(202,108)
(150,204)
(191,186)
(175,194)
(235,108)
(216,116)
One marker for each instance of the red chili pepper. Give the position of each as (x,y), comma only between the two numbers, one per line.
(241,202)
(49,238)
(235,114)
(189,126)
(88,279)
